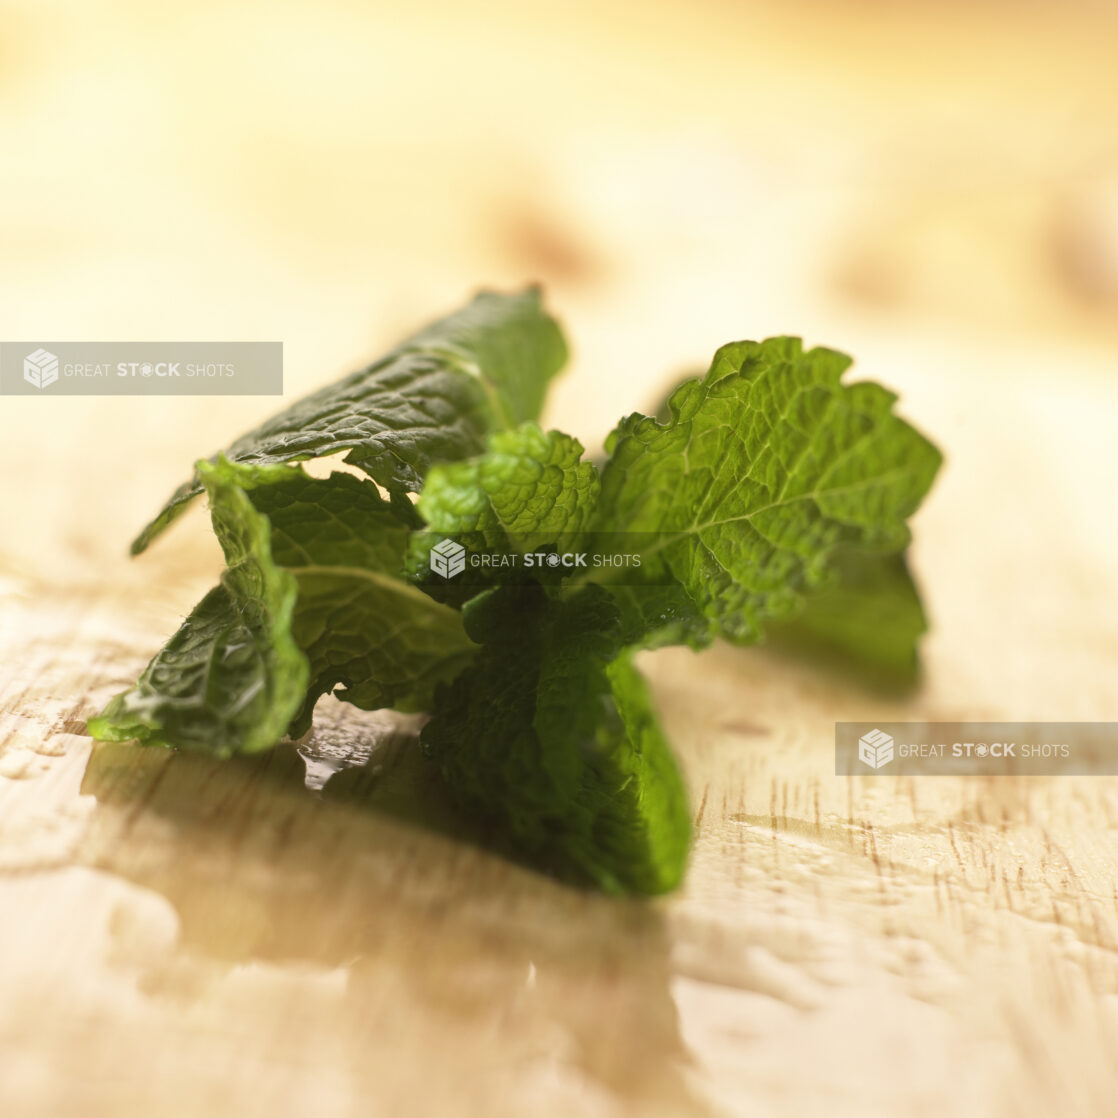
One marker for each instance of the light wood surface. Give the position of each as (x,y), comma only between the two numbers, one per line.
(317,934)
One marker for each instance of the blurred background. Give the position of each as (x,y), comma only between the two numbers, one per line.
(929,186)
(932,187)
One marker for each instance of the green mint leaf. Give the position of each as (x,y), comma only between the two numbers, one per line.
(348,617)
(766,467)
(658,615)
(529,489)
(359,621)
(868,620)
(432,399)
(551,735)
(232,677)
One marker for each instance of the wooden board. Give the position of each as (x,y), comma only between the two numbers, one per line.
(181,936)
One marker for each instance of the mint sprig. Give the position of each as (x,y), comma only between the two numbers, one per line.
(769,497)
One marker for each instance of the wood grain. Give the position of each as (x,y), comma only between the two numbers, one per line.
(315,931)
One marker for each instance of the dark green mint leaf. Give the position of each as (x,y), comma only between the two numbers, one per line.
(432,399)
(349,617)
(232,677)
(360,622)
(551,735)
